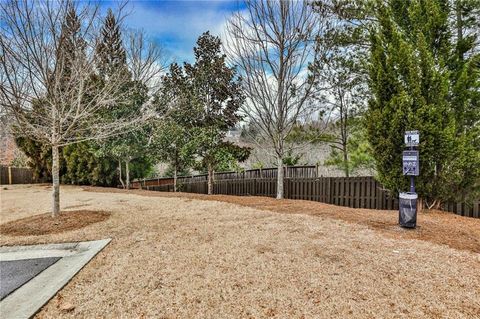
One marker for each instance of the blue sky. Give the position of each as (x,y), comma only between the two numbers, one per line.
(176,25)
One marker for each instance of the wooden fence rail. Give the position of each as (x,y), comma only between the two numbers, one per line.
(301,182)
(289,172)
(355,192)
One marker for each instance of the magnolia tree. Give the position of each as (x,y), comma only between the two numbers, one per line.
(204,99)
(172,135)
(50,82)
(272,43)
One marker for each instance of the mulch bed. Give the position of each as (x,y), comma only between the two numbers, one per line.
(432,225)
(44,224)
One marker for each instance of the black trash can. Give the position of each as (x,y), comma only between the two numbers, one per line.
(408,209)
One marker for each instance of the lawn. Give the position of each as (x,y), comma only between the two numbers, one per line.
(188,256)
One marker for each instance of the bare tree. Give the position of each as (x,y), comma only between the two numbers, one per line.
(49,83)
(272,45)
(343,93)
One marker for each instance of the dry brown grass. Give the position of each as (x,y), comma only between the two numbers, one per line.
(433,226)
(186,258)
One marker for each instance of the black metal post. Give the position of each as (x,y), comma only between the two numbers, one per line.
(412,178)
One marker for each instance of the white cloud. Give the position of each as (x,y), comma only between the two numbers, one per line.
(178,25)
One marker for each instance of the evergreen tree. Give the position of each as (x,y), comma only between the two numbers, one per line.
(172,145)
(464,65)
(342,92)
(341,84)
(131,146)
(216,87)
(410,80)
(39,158)
(216,99)
(172,137)
(71,46)
(84,164)
(38,153)
(356,154)
(202,102)
(110,52)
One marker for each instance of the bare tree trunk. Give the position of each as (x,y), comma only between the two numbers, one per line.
(120,173)
(210,179)
(175,179)
(280,178)
(436,204)
(56,181)
(272,60)
(420,204)
(31,43)
(345,161)
(127,173)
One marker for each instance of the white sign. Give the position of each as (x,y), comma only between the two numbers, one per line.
(412,138)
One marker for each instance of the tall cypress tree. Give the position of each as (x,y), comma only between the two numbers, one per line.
(71,46)
(465,96)
(86,163)
(110,52)
(129,150)
(411,83)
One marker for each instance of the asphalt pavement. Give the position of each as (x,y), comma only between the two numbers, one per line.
(15,273)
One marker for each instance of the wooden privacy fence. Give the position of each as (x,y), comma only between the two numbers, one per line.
(16,175)
(355,192)
(289,172)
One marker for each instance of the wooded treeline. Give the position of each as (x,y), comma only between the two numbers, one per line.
(96,104)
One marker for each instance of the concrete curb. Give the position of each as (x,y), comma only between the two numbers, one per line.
(27,300)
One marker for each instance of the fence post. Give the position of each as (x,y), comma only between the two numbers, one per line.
(10,175)
(329,190)
(286,188)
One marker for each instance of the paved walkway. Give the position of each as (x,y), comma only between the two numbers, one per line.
(31,275)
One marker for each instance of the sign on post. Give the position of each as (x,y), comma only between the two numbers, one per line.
(410,163)
(412,138)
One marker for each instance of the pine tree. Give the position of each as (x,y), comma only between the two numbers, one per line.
(341,84)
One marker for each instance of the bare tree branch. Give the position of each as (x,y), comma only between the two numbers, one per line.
(54,96)
(272,46)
